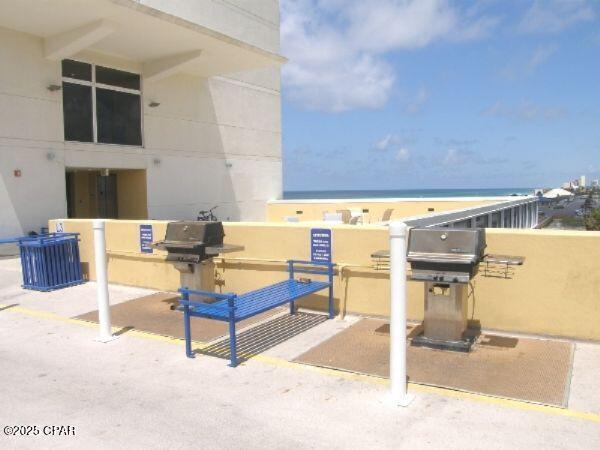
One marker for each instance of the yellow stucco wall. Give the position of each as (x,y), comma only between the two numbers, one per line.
(313,211)
(556,291)
(132,194)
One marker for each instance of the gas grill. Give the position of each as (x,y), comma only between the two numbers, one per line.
(193,242)
(446,260)
(189,244)
(445,255)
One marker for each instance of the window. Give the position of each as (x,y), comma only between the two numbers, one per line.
(508,218)
(101,105)
(481,221)
(463,224)
(496,220)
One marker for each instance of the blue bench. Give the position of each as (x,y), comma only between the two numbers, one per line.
(232,308)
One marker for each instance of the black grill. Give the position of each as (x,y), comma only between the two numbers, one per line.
(192,242)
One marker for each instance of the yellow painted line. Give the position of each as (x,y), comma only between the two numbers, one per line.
(279,362)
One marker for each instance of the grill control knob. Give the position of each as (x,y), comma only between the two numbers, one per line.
(444,236)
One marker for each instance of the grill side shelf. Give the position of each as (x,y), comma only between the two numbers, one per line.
(501,266)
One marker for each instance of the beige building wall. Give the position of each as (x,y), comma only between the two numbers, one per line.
(212,141)
(555,292)
(313,210)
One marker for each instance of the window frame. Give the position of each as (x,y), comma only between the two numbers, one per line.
(93,84)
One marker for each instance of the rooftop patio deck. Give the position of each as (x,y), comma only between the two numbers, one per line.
(141,390)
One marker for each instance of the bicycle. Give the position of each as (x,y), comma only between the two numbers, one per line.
(207,215)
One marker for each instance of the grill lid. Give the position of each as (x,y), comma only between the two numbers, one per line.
(194,241)
(185,233)
(445,245)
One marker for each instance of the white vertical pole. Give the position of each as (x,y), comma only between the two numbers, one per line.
(102,282)
(398,238)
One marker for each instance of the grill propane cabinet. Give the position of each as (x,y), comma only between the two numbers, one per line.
(445,260)
(189,243)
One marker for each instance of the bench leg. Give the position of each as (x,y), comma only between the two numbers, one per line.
(232,344)
(292,308)
(188,332)
(331,302)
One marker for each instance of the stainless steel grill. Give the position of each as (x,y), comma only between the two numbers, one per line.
(446,260)
(445,255)
(193,242)
(189,243)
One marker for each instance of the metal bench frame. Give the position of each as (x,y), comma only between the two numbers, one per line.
(233,308)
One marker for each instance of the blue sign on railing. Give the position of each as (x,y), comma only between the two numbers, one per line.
(145,238)
(320,245)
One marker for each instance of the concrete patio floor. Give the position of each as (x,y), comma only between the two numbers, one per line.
(141,391)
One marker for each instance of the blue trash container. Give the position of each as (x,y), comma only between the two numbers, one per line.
(50,261)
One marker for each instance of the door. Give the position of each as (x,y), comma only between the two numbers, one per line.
(106,193)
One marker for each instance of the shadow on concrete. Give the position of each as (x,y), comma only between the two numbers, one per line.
(262,337)
(8,306)
(123,330)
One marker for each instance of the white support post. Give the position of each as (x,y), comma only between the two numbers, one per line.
(398,379)
(102,283)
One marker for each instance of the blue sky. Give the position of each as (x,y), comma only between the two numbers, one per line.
(386,94)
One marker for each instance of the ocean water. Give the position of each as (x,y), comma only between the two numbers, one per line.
(407,193)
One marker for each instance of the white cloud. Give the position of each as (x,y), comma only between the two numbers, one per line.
(461,157)
(525,111)
(553,16)
(392,143)
(402,155)
(540,55)
(455,157)
(385,25)
(415,104)
(337,48)
(386,143)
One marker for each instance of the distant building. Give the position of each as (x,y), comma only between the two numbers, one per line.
(582,181)
(595,183)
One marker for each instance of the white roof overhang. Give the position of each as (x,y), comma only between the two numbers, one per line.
(161,43)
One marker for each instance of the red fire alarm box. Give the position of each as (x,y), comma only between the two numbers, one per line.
(17,173)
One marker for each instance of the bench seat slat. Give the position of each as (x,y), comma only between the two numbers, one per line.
(261,300)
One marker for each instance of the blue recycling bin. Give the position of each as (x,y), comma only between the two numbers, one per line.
(50,261)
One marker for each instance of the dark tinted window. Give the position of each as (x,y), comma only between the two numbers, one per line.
(119,117)
(118,78)
(77,110)
(463,224)
(77,70)
(507,218)
(481,221)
